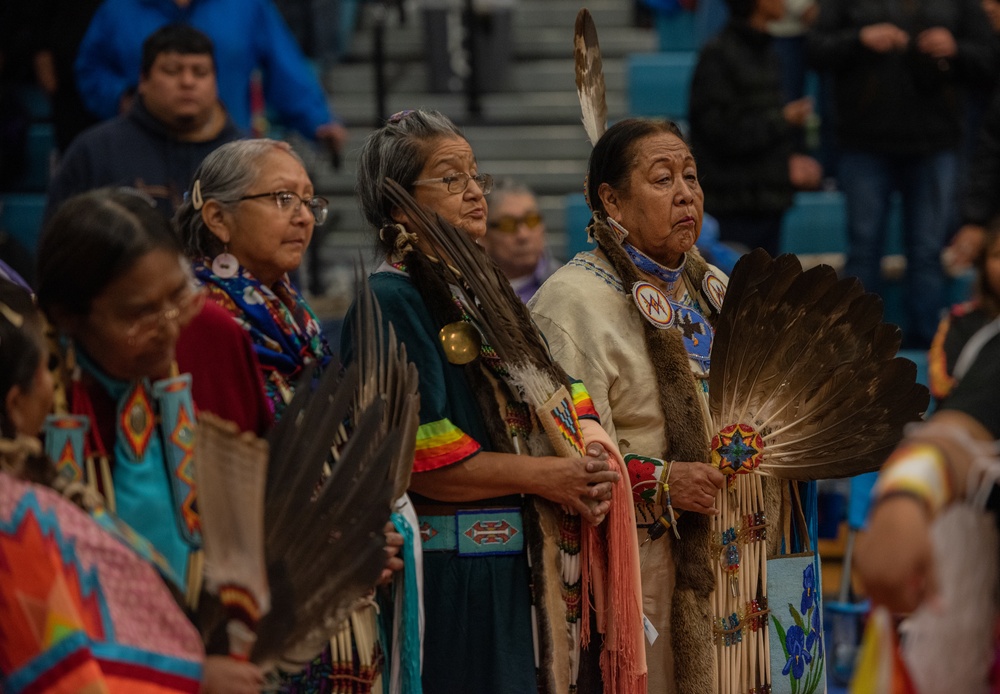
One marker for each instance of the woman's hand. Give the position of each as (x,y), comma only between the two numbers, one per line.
(582,484)
(693,487)
(895,557)
(224,675)
(393,562)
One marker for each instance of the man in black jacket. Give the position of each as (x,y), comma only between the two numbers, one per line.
(175,120)
(899,70)
(742,131)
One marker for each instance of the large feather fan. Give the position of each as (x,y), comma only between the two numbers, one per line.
(338,459)
(324,540)
(805,372)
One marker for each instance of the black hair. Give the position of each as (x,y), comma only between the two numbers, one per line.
(92,240)
(21,347)
(615,153)
(175,38)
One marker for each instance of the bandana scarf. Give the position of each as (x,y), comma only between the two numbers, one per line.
(285,332)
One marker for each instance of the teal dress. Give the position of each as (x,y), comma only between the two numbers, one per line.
(478,634)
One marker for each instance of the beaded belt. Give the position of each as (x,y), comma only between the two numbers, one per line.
(474,532)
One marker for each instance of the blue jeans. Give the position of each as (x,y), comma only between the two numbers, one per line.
(927,184)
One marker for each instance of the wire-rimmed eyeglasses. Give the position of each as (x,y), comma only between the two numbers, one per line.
(289,200)
(457,183)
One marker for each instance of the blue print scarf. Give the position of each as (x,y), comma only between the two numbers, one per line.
(285,332)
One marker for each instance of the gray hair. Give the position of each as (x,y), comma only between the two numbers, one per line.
(398,150)
(503,187)
(225,175)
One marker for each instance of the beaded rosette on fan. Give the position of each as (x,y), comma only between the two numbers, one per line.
(805,384)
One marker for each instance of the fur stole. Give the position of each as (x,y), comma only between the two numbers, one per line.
(684,427)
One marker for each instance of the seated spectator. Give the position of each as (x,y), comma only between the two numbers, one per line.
(515,238)
(174,122)
(745,133)
(249,35)
(966,319)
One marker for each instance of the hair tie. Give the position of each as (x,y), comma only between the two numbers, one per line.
(401,244)
(399,116)
(197,202)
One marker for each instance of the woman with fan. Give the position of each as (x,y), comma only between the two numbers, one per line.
(481,499)
(634,319)
(139,348)
(247,223)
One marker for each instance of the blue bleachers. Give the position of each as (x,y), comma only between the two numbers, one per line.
(41,145)
(577,218)
(21,217)
(659,83)
(677,31)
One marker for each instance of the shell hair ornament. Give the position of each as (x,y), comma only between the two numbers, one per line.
(196,200)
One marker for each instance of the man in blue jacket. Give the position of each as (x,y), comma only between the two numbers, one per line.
(248,35)
(173,123)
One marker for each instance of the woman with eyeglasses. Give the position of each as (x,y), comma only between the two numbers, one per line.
(475,490)
(139,355)
(246,224)
(515,238)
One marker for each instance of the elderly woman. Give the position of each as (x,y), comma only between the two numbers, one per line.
(114,284)
(475,493)
(633,319)
(247,223)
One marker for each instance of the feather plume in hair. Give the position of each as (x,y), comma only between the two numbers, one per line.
(324,516)
(590,77)
(805,381)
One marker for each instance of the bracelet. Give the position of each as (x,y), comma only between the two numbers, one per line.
(919,470)
(670,507)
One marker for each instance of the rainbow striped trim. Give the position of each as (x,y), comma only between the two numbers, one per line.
(441,443)
(581,401)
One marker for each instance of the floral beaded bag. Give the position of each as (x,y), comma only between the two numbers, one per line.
(795,628)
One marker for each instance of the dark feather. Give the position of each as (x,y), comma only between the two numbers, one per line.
(590,77)
(805,359)
(324,520)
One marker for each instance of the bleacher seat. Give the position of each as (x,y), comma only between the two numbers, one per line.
(577,218)
(41,145)
(21,217)
(658,84)
(677,31)
(816,223)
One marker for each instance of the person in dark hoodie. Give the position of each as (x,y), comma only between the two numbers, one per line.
(174,122)
(900,70)
(744,132)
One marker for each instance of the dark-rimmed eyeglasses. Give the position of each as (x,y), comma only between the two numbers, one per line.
(509,224)
(457,183)
(288,200)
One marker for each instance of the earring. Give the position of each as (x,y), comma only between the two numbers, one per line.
(620,231)
(225,265)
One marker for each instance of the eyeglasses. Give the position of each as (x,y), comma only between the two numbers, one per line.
(287,200)
(460,181)
(508,224)
(181,312)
